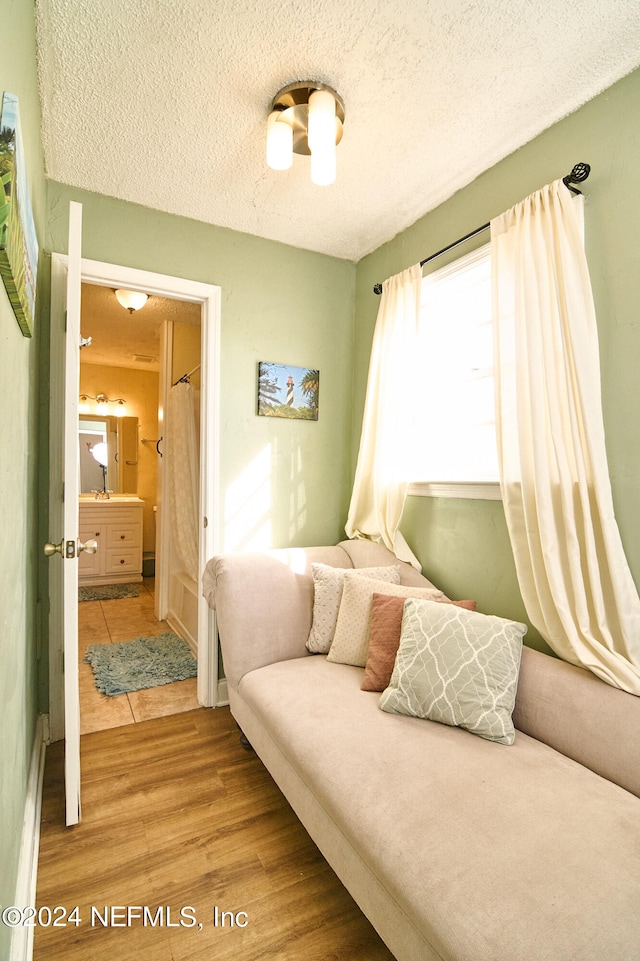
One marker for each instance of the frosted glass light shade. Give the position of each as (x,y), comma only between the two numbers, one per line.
(323,166)
(131,299)
(100,453)
(322,121)
(279,142)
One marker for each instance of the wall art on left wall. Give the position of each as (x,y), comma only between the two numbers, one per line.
(18,241)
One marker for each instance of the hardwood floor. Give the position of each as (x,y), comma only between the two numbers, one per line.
(105,622)
(177,815)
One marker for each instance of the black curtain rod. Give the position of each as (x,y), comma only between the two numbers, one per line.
(579,173)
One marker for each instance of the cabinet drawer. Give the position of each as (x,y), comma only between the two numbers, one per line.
(125,561)
(92,532)
(123,535)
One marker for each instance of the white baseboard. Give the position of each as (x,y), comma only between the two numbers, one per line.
(22,937)
(178,627)
(223,693)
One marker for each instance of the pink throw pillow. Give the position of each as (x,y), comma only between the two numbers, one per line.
(384,638)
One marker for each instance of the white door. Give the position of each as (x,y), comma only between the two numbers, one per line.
(211,691)
(64,493)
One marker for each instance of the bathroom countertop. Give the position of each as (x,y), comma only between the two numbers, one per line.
(114,500)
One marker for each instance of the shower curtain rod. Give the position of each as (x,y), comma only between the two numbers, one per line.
(579,173)
(185,377)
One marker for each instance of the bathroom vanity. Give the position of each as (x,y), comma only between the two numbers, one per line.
(116,524)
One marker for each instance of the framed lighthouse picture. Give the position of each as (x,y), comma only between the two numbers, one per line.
(285,391)
(18,241)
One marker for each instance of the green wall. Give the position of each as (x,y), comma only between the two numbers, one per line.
(283,482)
(463,545)
(18,481)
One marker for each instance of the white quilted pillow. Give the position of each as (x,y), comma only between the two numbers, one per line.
(327,583)
(351,639)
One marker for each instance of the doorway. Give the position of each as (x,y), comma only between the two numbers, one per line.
(127,374)
(206,299)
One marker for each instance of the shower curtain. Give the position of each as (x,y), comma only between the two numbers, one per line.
(183,475)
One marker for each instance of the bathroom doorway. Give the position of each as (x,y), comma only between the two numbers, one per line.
(127,375)
(208,298)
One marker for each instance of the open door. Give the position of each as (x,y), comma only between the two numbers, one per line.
(63,501)
(211,690)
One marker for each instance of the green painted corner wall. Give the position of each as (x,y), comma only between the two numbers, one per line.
(19,412)
(463,545)
(289,479)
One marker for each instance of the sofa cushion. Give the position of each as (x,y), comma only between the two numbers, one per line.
(351,639)
(492,855)
(327,586)
(457,667)
(384,638)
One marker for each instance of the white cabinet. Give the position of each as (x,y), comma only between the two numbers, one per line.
(116,525)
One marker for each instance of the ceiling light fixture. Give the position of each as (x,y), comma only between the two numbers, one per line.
(131,299)
(306,118)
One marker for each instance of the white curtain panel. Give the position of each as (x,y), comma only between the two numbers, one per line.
(182,480)
(572,570)
(388,429)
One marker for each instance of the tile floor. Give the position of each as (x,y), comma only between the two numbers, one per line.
(104,622)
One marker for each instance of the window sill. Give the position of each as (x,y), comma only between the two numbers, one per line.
(478,490)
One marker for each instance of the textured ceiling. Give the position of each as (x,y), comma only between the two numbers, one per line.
(121,339)
(164,102)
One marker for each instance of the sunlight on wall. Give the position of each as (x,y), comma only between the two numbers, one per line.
(248,506)
(298,496)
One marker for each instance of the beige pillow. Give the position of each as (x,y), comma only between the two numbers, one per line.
(351,639)
(384,638)
(457,667)
(327,586)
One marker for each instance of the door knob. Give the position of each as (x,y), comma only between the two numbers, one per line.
(89,547)
(51,549)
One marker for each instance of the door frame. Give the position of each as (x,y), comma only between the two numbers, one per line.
(209,297)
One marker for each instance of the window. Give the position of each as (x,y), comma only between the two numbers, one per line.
(457,448)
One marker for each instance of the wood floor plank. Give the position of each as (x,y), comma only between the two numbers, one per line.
(177,815)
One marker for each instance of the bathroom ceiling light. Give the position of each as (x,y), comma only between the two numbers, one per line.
(131,299)
(306,118)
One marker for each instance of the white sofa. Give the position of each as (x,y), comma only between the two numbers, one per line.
(455,847)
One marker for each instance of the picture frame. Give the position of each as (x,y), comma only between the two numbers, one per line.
(286,391)
(18,239)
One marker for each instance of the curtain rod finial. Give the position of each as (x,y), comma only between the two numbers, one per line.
(579,173)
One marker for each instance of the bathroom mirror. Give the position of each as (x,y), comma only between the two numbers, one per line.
(120,434)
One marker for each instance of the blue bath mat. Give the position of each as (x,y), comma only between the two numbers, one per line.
(141,663)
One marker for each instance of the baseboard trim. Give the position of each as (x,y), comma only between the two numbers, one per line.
(223,693)
(22,937)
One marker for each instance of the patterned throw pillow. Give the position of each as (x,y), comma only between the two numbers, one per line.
(327,585)
(351,640)
(384,638)
(457,667)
